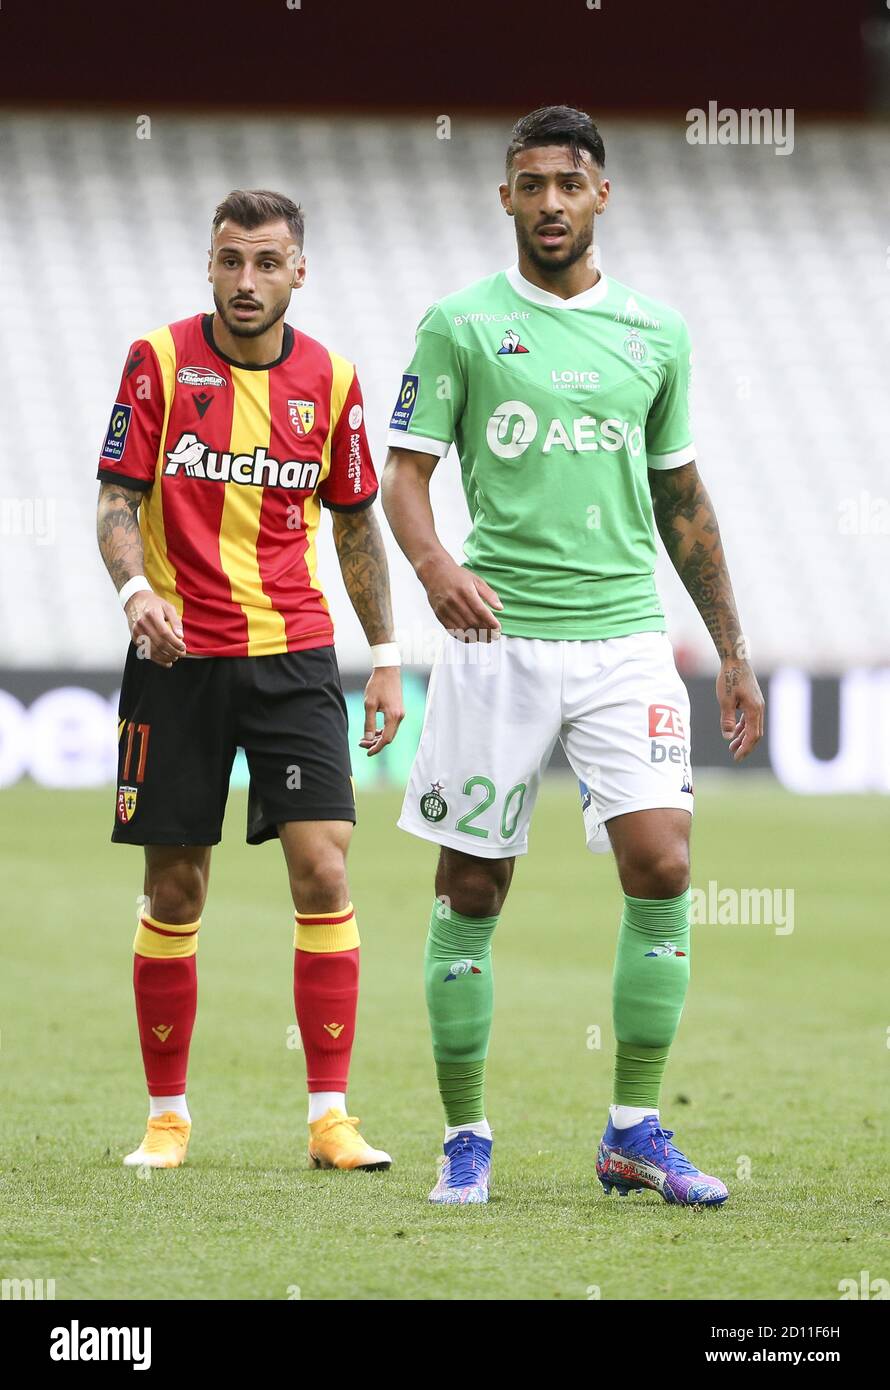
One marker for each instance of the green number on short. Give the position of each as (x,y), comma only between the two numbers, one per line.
(476,811)
(519,790)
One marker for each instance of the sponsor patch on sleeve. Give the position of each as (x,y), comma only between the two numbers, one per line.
(116,438)
(401,416)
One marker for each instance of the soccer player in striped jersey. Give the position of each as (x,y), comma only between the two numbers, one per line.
(566,395)
(229,433)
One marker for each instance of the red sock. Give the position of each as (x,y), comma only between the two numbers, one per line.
(166,989)
(326,996)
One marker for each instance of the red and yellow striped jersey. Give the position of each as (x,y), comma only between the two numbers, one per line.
(235,462)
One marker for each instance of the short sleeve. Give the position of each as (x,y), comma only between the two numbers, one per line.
(351,483)
(433,391)
(130,449)
(668,428)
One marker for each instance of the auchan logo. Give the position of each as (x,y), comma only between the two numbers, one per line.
(259,469)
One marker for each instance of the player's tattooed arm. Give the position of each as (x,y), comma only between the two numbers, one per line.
(366,576)
(688,527)
(365,571)
(117,530)
(155,625)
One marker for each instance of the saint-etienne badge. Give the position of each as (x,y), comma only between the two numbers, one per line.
(635,347)
(433,805)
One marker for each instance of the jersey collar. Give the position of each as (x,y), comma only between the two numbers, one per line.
(287,344)
(585,300)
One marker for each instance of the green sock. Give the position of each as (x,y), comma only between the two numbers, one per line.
(648,993)
(460,1002)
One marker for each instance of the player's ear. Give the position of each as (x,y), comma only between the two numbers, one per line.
(209,267)
(602,196)
(506,201)
(296,262)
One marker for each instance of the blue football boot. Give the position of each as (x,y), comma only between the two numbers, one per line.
(465,1172)
(643,1156)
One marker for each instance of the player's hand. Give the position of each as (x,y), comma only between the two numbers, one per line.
(155,627)
(461,600)
(741,707)
(383,694)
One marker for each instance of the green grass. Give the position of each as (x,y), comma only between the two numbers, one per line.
(782,1060)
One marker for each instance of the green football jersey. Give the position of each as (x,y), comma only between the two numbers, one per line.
(557,408)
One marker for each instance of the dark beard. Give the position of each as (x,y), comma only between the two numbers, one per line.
(579,247)
(244,330)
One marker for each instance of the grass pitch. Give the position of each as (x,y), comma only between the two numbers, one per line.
(777,1082)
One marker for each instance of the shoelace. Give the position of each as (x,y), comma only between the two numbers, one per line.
(352,1120)
(678,1161)
(157,1134)
(463,1167)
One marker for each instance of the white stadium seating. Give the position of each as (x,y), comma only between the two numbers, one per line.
(780,264)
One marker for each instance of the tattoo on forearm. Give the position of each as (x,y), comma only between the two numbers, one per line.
(365,572)
(117,530)
(687,525)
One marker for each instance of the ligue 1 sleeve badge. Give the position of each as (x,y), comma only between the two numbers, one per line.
(126,804)
(118,427)
(433,805)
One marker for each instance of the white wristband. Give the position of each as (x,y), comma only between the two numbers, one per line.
(386,654)
(132,587)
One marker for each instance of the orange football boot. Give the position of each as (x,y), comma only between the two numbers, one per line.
(165,1143)
(334,1142)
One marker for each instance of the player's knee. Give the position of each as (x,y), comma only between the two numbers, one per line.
(318,883)
(177,896)
(473,887)
(664,874)
(671,875)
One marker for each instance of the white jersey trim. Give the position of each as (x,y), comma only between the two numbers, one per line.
(419,443)
(585,300)
(674,460)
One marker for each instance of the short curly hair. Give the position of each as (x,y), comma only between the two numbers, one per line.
(557,125)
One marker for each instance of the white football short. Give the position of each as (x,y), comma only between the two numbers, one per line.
(493,715)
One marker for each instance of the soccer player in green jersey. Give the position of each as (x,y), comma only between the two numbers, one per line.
(566,396)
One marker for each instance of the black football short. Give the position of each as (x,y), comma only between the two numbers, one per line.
(179,729)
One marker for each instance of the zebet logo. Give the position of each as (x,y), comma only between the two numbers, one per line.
(513,426)
(665,722)
(198,460)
